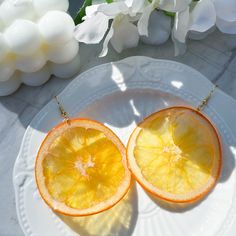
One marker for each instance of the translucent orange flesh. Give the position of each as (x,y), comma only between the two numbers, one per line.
(83,168)
(177,151)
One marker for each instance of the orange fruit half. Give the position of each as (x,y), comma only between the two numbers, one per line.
(81,168)
(175,154)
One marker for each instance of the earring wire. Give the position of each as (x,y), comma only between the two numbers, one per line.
(206,99)
(63,113)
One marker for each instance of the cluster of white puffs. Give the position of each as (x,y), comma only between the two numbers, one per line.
(36,41)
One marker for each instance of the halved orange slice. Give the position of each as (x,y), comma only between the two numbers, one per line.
(175,154)
(81,168)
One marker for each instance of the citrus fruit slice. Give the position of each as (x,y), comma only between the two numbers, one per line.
(175,154)
(81,168)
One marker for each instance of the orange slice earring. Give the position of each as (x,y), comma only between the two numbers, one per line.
(175,153)
(81,167)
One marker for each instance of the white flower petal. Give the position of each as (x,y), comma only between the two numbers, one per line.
(20,2)
(135,5)
(106,41)
(180,28)
(174,5)
(133,18)
(226,26)
(113,9)
(144,19)
(92,30)
(203,16)
(226,9)
(129,3)
(159,28)
(125,35)
(91,10)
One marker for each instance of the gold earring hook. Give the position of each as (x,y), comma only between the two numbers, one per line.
(206,99)
(63,113)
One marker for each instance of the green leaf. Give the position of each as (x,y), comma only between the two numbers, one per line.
(81,13)
(109,1)
(168,13)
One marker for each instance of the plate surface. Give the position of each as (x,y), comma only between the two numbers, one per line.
(119,95)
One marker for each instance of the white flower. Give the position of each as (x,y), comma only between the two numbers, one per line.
(201,17)
(173,5)
(167,5)
(129,19)
(122,33)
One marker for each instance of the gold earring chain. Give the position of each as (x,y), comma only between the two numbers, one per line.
(206,99)
(63,113)
(200,107)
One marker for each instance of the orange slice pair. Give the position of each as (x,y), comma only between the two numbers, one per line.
(82,167)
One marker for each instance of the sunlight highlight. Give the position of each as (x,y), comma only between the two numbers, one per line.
(177,84)
(136,112)
(117,76)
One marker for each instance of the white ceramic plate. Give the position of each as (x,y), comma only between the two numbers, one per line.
(119,95)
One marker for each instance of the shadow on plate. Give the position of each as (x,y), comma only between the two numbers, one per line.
(228,162)
(175,207)
(120,220)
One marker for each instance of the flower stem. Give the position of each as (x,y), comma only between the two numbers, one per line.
(81,13)
(168,13)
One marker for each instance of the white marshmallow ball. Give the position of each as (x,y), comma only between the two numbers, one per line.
(22,58)
(11,85)
(3,47)
(23,37)
(10,10)
(67,70)
(2,26)
(56,27)
(43,6)
(7,69)
(37,78)
(65,53)
(31,63)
